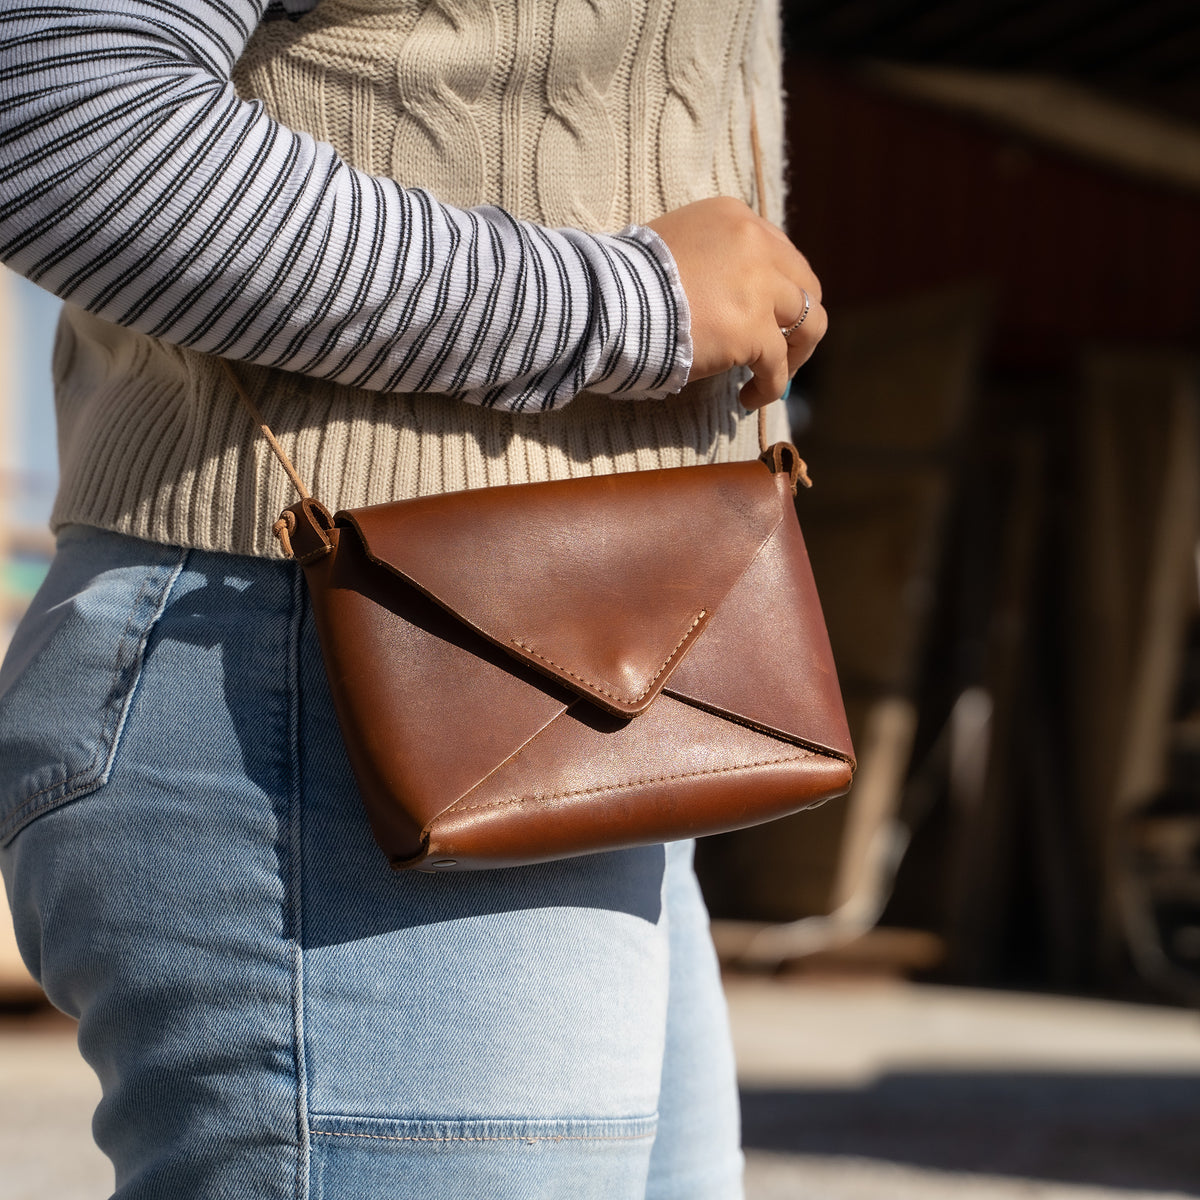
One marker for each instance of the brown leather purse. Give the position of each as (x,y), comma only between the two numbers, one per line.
(531,672)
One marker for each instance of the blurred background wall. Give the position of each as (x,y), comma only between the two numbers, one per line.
(27,455)
(27,479)
(1003,203)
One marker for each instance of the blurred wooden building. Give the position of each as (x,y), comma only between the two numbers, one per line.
(1003,203)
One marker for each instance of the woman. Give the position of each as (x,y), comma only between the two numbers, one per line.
(270,1010)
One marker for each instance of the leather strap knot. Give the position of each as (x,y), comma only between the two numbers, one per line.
(303,531)
(283,530)
(783,457)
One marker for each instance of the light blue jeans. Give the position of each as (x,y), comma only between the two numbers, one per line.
(271,1011)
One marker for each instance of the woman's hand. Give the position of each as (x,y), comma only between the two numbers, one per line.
(744,282)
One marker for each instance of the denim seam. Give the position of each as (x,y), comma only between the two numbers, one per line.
(528,1138)
(114,717)
(296,886)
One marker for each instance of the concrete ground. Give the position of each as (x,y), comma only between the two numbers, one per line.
(851,1092)
(896,1092)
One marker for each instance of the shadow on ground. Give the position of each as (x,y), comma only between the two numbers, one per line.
(1130,1131)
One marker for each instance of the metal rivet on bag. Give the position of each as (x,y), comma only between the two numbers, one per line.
(445,862)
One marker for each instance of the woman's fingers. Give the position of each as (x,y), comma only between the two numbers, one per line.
(804,338)
(780,359)
(770,373)
(801,322)
(745,282)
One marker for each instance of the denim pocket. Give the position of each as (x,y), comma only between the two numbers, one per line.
(71,671)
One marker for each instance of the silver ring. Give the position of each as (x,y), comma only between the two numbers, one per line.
(803,316)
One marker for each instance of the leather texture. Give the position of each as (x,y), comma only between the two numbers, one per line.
(531,672)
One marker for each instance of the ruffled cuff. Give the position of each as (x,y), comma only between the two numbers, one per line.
(651,324)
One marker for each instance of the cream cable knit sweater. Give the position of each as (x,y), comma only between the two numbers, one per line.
(586,114)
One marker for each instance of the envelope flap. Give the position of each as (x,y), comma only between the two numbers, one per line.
(604,583)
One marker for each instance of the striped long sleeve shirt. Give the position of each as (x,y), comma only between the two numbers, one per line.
(136,183)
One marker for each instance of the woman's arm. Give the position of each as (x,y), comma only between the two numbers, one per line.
(135,183)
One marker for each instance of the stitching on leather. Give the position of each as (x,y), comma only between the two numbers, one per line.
(632,783)
(613,695)
(532,1137)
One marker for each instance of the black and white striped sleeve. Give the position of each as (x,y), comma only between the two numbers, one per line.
(137,184)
